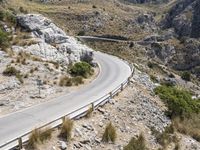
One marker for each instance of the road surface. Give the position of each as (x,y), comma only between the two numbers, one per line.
(113,72)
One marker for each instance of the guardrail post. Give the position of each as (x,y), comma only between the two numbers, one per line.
(129,79)
(110,95)
(133,71)
(93,107)
(63,119)
(20,143)
(122,87)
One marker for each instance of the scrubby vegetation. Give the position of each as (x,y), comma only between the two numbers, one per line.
(179,101)
(77,80)
(66,130)
(7,16)
(184,111)
(39,136)
(136,144)
(189,126)
(78,71)
(110,134)
(186,76)
(4,39)
(81,69)
(166,137)
(12,71)
(67,81)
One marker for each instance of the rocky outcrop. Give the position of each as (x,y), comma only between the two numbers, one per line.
(183,56)
(51,42)
(162,51)
(146,22)
(180,17)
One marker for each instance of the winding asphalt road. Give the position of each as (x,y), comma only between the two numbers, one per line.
(113,72)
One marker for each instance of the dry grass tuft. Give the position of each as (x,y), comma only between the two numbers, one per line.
(189,126)
(66,130)
(136,144)
(110,134)
(39,136)
(65,81)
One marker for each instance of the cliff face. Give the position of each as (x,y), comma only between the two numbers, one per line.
(146,1)
(184,18)
(196,21)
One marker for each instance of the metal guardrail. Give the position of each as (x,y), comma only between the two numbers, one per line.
(18,141)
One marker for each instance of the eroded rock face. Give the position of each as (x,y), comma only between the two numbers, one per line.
(162,51)
(188,57)
(52,43)
(147,22)
(196,21)
(183,17)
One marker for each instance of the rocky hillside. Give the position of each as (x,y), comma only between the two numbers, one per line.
(161,39)
(34,66)
(145,1)
(183,17)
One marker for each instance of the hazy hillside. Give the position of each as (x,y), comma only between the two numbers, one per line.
(161,38)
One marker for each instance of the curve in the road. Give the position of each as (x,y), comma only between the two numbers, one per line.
(113,72)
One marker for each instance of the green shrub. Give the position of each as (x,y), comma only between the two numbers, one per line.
(81,33)
(66,130)
(186,76)
(2,15)
(136,144)
(109,133)
(178,101)
(81,69)
(4,39)
(11,71)
(10,17)
(153,78)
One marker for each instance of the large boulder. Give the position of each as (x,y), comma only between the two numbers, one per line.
(52,42)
